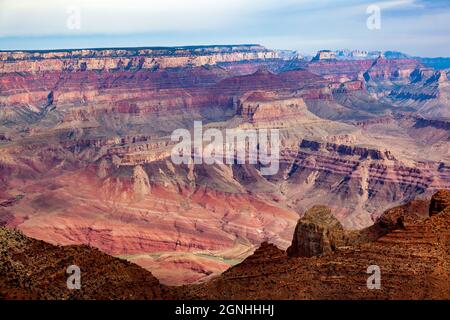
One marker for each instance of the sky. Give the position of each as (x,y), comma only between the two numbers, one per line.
(416,27)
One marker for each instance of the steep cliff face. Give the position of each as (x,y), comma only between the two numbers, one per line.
(428,91)
(128,59)
(440,201)
(164,91)
(33,269)
(318,232)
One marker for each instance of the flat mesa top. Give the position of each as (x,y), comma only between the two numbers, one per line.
(181,51)
(237,47)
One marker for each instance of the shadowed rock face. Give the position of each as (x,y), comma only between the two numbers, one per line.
(439,201)
(33,269)
(318,232)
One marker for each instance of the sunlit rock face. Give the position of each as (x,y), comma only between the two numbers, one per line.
(85,146)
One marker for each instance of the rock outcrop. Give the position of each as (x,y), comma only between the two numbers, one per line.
(440,201)
(324,55)
(318,232)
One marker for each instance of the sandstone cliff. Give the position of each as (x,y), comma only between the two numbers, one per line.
(133,59)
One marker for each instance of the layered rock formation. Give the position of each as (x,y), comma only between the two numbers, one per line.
(428,91)
(318,232)
(85,145)
(439,202)
(133,59)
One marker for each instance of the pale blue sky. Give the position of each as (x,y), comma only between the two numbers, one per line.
(417,27)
